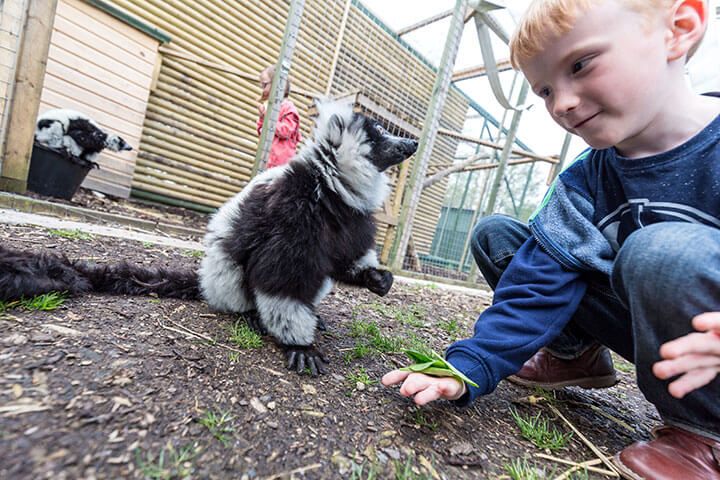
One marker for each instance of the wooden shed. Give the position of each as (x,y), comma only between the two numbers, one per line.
(101,63)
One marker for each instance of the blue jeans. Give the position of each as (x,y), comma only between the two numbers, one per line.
(663,276)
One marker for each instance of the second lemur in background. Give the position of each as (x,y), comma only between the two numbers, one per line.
(287,129)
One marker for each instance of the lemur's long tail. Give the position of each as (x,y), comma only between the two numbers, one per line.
(26,274)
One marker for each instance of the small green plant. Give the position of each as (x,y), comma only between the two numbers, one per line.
(422,421)
(408,471)
(358,472)
(234,356)
(623,365)
(45,302)
(538,430)
(168,464)
(194,253)
(219,425)
(451,327)
(375,340)
(244,337)
(361,328)
(147,244)
(70,234)
(520,469)
(360,376)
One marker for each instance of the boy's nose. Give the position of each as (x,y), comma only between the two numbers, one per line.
(564,103)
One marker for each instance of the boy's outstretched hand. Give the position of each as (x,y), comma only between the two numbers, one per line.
(696,356)
(424,388)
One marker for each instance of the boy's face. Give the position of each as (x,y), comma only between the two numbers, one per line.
(604,79)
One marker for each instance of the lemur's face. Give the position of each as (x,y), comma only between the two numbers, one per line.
(117,144)
(386,150)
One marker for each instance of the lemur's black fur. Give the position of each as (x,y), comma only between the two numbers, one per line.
(274,249)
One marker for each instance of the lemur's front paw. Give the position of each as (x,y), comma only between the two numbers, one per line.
(299,357)
(378,281)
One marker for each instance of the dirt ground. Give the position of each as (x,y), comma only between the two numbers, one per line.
(140,387)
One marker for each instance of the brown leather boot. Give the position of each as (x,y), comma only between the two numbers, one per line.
(674,454)
(592,369)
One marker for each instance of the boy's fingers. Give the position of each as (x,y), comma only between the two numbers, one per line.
(394,377)
(669,368)
(692,343)
(427,395)
(707,321)
(692,381)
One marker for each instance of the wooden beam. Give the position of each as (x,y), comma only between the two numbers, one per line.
(29,78)
(479,71)
(496,146)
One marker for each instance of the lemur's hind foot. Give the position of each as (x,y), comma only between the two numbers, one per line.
(300,357)
(252,318)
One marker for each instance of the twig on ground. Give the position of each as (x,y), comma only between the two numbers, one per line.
(586,465)
(290,473)
(587,442)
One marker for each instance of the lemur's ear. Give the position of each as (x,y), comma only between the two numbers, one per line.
(336,127)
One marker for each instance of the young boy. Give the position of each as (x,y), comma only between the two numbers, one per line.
(624,252)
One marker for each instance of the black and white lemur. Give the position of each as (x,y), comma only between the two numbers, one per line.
(274,249)
(75,135)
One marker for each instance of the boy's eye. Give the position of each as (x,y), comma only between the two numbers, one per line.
(579,65)
(544,92)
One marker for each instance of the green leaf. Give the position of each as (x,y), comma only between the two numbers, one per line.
(434,365)
(418,357)
(417,367)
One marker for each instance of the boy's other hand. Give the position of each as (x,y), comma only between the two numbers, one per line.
(695,356)
(424,388)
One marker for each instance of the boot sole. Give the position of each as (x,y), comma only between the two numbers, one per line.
(586,383)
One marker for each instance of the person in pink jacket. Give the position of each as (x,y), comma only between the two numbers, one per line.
(287,128)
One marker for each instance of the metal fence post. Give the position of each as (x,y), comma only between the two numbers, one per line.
(427,137)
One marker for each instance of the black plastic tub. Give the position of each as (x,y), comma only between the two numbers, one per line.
(53,174)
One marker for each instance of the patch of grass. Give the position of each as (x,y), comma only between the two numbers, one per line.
(421,420)
(45,302)
(408,471)
(194,253)
(623,365)
(451,327)
(361,349)
(540,432)
(244,336)
(375,339)
(219,425)
(411,315)
(387,343)
(360,376)
(358,472)
(70,234)
(520,469)
(168,464)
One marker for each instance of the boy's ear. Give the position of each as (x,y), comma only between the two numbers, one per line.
(688,21)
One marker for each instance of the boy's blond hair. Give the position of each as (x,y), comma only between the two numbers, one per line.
(546,19)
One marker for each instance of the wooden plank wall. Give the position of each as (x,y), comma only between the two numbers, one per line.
(11,21)
(102,67)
